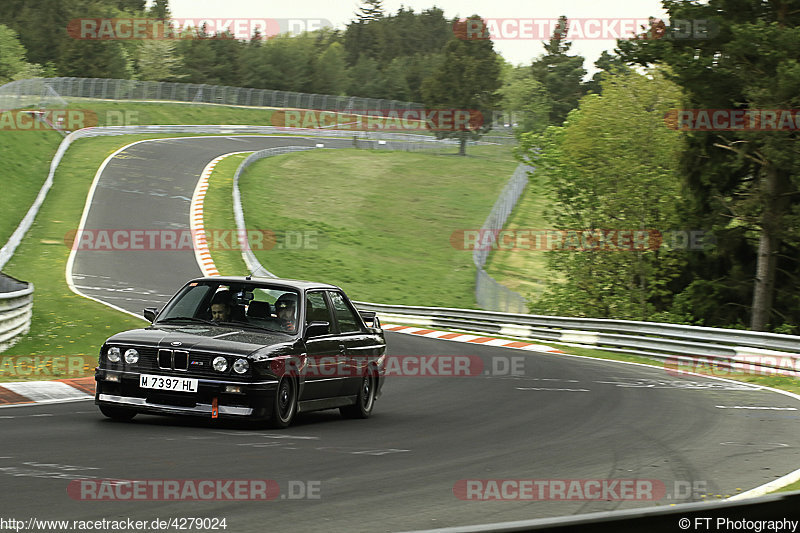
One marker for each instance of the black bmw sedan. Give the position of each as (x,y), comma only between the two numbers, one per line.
(242,347)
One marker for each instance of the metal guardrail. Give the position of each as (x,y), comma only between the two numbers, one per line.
(675,343)
(16,309)
(253,265)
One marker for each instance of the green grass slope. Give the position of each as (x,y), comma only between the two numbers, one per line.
(24,163)
(378,224)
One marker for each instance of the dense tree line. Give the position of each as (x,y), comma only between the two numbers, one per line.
(740,187)
(377,55)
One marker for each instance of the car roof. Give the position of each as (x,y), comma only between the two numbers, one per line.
(300,285)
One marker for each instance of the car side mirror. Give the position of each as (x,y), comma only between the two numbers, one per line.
(150,313)
(317,328)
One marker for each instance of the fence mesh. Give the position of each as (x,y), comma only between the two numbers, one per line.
(490,294)
(56,92)
(45,91)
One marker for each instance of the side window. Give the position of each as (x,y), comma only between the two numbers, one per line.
(317,308)
(348,322)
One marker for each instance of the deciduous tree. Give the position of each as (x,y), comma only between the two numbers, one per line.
(613,167)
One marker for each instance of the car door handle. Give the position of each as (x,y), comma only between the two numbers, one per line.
(342,349)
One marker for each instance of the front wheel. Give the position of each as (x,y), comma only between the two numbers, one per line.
(365,400)
(284,408)
(117,413)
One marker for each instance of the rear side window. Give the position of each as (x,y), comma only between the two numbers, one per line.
(345,316)
(317,308)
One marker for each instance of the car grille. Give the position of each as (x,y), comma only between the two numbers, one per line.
(173,360)
(179,362)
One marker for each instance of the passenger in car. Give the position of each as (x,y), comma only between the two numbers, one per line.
(221,306)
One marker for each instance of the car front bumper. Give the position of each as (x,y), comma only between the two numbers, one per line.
(121,389)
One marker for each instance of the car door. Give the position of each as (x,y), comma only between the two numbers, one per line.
(326,352)
(359,345)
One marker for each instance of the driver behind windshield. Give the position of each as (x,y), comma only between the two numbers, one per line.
(221,305)
(286,309)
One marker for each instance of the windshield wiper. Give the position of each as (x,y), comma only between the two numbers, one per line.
(187,318)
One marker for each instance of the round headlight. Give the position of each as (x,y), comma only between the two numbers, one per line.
(131,356)
(220,364)
(113,354)
(241,366)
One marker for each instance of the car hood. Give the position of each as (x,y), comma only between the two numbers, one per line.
(201,337)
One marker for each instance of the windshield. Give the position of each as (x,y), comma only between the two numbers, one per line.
(255,305)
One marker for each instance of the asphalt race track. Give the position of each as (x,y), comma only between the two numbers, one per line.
(149,186)
(556,418)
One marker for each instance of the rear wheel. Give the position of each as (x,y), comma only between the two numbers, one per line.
(284,408)
(119,414)
(365,400)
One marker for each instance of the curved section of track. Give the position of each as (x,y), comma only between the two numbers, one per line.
(149,186)
(557,418)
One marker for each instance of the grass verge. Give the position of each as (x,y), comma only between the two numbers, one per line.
(124,113)
(788,488)
(26,159)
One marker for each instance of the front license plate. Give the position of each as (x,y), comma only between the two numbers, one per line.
(147,381)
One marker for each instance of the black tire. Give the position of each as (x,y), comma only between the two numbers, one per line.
(284,408)
(119,414)
(365,400)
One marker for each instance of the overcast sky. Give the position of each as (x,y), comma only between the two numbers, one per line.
(517,51)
